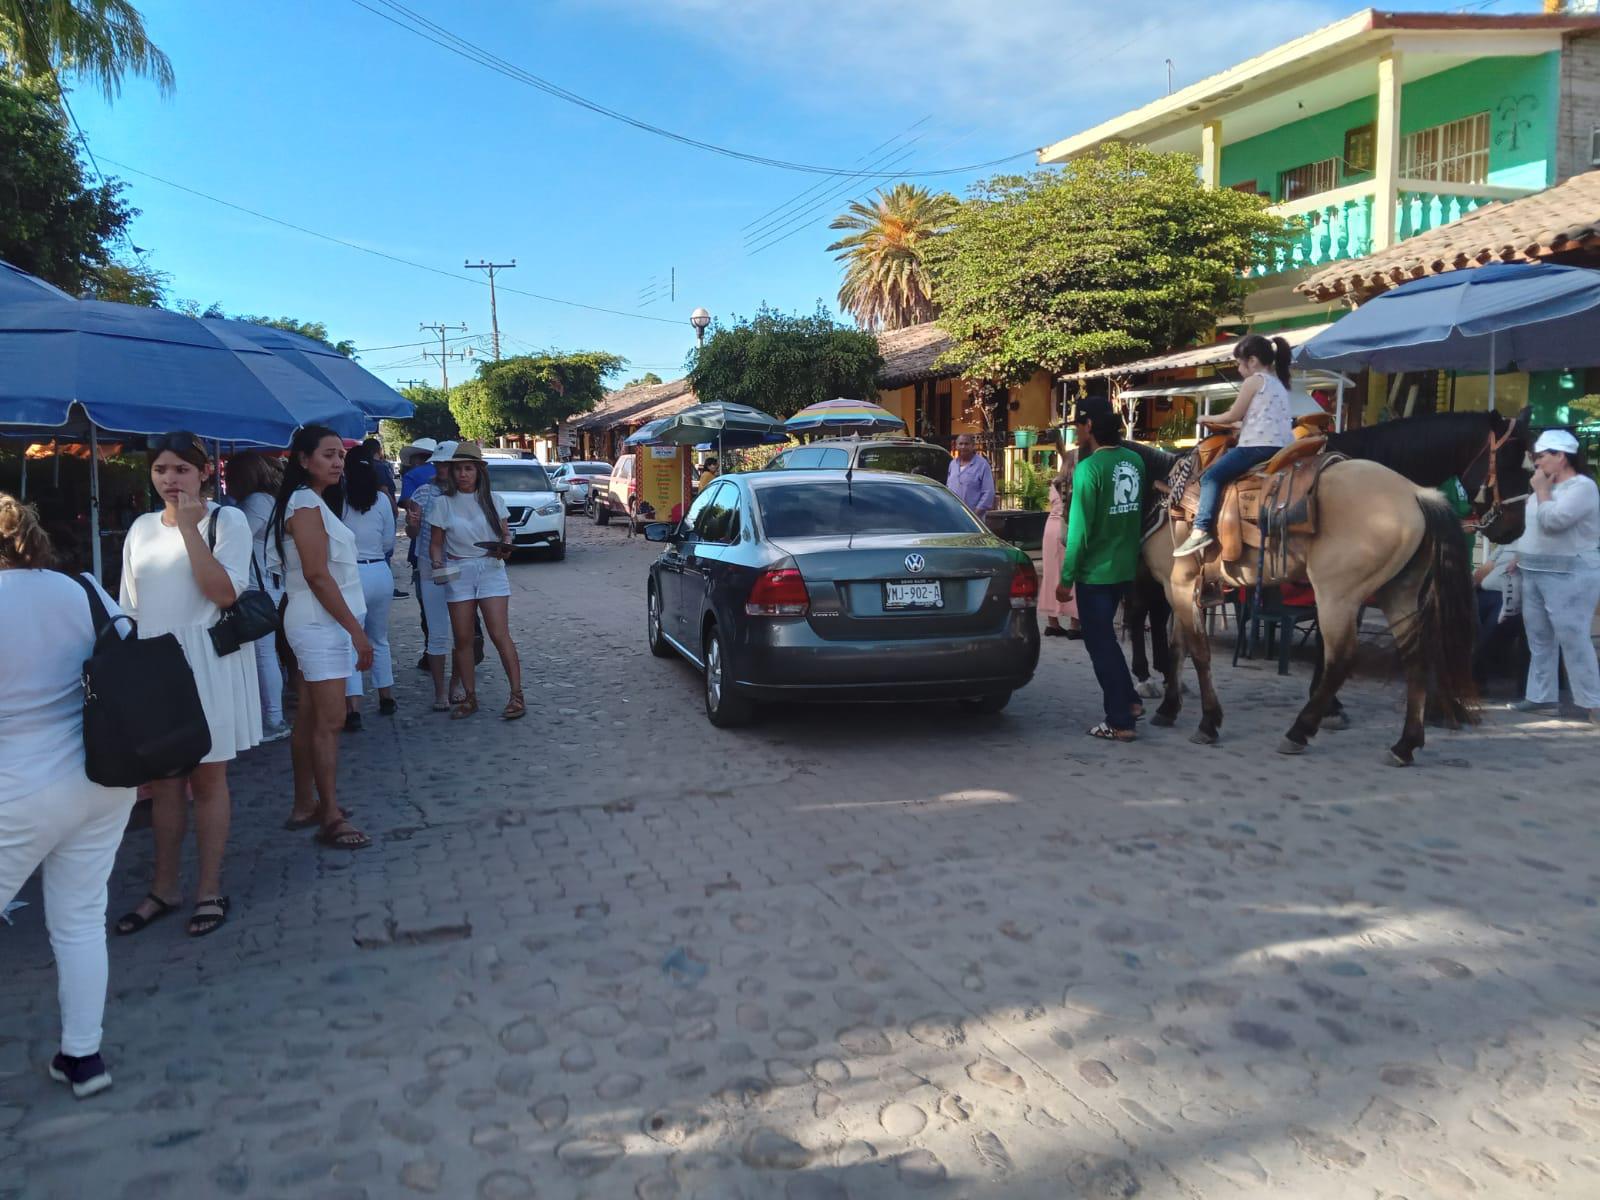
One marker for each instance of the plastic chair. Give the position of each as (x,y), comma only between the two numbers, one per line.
(1280,619)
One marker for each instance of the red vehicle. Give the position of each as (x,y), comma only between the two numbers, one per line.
(617,495)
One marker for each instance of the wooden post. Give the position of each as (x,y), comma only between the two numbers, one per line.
(1211,155)
(1386,175)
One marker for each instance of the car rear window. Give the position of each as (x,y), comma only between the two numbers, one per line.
(589,468)
(828,509)
(518,477)
(928,461)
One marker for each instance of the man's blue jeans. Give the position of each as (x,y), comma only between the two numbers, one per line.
(1097,614)
(1229,466)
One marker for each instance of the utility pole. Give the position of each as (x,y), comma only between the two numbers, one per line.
(494,314)
(444,355)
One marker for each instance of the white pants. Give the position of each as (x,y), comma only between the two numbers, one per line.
(269,672)
(1558,613)
(73,828)
(437,605)
(377,585)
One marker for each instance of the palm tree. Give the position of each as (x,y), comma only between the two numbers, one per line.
(99,39)
(885,284)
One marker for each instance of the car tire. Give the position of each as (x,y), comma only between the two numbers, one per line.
(602,514)
(986,705)
(558,551)
(655,636)
(725,708)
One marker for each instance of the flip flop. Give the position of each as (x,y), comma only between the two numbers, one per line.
(133,922)
(341,835)
(1106,733)
(295,824)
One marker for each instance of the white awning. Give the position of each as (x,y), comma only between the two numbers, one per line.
(1215,355)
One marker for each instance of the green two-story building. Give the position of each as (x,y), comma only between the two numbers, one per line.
(1378,128)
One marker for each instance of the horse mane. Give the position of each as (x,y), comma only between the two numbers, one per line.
(1426,450)
(1158,463)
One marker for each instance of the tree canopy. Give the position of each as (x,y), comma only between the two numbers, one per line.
(780,362)
(648,379)
(99,40)
(432,419)
(886,284)
(531,393)
(1118,254)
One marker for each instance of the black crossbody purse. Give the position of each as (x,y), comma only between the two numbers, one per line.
(250,617)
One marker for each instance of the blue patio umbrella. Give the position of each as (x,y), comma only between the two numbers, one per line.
(1523,316)
(17,286)
(344,375)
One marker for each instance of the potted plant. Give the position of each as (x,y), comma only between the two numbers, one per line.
(1025,436)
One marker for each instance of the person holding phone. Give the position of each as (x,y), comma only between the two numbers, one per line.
(315,553)
(181,567)
(471,540)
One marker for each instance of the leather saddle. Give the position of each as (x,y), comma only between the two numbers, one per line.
(1275,501)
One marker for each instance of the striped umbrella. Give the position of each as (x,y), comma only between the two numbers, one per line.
(843,414)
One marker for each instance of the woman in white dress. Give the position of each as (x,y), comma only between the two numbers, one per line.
(466,520)
(252,480)
(181,567)
(435,605)
(315,553)
(369,514)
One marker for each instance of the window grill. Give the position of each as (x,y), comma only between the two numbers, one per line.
(1455,152)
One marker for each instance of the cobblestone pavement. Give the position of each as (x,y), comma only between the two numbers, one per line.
(612,952)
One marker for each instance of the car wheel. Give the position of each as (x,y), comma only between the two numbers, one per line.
(558,550)
(987,705)
(654,634)
(725,708)
(602,513)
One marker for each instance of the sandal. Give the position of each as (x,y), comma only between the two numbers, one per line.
(134,921)
(1107,733)
(467,706)
(516,707)
(294,824)
(441,706)
(341,835)
(203,922)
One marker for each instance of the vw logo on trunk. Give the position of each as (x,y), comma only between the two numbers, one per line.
(915,563)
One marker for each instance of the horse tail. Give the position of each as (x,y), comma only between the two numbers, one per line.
(1446,626)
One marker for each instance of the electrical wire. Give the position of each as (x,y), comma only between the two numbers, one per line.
(777,209)
(418,25)
(406,262)
(408,345)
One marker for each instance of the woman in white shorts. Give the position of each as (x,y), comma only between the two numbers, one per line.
(435,605)
(465,520)
(315,553)
(181,567)
(369,515)
(252,479)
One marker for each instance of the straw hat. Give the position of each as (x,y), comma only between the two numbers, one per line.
(464,452)
(443,454)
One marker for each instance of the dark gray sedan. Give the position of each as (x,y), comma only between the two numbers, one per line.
(835,586)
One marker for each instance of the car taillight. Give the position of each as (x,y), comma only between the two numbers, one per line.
(1025,586)
(779,594)
(633,487)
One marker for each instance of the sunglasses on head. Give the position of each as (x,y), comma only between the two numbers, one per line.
(178,443)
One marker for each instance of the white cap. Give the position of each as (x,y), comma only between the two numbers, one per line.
(445,451)
(426,445)
(1556,439)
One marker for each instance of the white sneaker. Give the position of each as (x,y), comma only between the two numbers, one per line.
(275,733)
(1197,540)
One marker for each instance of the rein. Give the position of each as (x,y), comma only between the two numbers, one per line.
(1491,447)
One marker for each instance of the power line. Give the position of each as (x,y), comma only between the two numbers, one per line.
(420,26)
(896,156)
(406,345)
(824,183)
(394,258)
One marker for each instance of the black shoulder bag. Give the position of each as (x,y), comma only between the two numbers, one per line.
(252,615)
(142,718)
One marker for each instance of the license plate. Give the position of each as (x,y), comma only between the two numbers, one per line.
(917,593)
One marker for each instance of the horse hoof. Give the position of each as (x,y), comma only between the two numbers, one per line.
(1201,738)
(1394,760)
(1290,746)
(1162,721)
(1335,721)
(1150,690)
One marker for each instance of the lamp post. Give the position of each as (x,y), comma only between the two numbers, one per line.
(700,318)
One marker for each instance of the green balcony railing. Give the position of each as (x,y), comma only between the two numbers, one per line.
(1337,225)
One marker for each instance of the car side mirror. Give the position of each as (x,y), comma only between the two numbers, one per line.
(660,531)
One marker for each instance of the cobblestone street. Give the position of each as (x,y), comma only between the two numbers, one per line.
(612,952)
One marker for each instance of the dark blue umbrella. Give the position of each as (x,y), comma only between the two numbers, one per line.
(1523,316)
(17,286)
(134,370)
(344,375)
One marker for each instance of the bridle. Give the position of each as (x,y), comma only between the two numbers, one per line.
(1492,446)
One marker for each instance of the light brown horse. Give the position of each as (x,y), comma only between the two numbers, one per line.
(1379,536)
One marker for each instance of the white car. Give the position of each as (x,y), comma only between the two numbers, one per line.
(581,476)
(536,504)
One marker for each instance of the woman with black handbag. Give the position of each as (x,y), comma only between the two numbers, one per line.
(50,812)
(182,568)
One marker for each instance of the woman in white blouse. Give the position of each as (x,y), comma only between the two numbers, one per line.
(1558,558)
(51,815)
(369,515)
(252,479)
(181,567)
(469,543)
(315,553)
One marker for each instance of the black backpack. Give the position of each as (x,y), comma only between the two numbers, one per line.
(142,718)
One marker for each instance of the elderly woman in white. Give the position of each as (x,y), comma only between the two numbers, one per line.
(1558,557)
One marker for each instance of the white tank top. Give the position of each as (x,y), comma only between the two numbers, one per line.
(1268,422)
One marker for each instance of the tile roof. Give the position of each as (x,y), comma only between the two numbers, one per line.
(636,405)
(1558,220)
(910,354)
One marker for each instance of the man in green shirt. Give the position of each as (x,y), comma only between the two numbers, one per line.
(1102,553)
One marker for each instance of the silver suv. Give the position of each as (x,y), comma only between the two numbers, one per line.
(910,456)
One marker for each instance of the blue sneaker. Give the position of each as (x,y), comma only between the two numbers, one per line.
(87,1075)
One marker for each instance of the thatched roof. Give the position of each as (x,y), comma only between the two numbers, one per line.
(1560,220)
(909,355)
(636,405)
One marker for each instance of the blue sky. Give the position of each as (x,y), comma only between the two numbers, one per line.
(321,114)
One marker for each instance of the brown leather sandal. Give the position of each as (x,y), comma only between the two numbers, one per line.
(467,706)
(515,708)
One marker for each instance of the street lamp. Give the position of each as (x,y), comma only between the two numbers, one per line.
(700,318)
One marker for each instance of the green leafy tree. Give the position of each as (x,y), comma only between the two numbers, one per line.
(131,283)
(53,222)
(780,363)
(648,379)
(432,419)
(1118,254)
(531,393)
(98,40)
(886,284)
